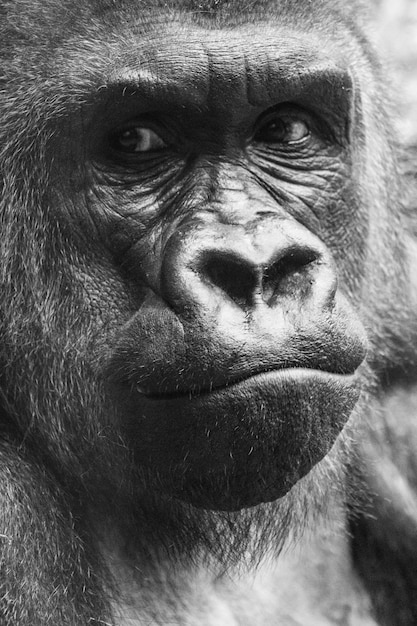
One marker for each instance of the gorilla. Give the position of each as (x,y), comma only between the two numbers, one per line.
(207,321)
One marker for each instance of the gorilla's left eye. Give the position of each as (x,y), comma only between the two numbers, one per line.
(283,130)
(136,139)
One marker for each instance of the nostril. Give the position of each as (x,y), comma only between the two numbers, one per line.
(233,275)
(287,275)
(245,282)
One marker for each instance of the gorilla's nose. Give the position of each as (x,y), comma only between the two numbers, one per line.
(282,265)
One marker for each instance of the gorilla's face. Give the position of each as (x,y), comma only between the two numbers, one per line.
(218,176)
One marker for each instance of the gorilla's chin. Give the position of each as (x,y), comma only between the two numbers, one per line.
(245,444)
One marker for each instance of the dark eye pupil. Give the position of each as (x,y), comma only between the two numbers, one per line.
(128,139)
(275,131)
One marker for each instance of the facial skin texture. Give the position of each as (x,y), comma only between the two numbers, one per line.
(207,316)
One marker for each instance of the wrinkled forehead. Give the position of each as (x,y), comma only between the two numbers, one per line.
(266,45)
(250,59)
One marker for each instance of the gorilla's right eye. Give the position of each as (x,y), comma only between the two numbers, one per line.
(284,130)
(136,139)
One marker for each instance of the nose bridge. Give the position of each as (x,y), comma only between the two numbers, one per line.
(236,204)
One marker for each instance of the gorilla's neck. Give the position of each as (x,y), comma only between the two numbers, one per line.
(310,581)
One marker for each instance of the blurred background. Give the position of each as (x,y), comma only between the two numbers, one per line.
(396,34)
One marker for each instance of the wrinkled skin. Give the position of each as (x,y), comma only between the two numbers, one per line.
(208,322)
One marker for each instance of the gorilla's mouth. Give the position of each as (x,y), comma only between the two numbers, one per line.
(233,384)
